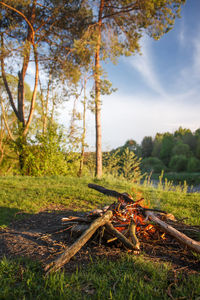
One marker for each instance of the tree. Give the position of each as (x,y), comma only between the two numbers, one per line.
(130,166)
(157,144)
(147,146)
(178,163)
(193,164)
(166,148)
(29,27)
(117,28)
(181,149)
(185,136)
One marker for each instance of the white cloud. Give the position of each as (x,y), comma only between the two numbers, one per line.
(181,33)
(144,64)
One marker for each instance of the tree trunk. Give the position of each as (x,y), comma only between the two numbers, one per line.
(97,96)
(84,130)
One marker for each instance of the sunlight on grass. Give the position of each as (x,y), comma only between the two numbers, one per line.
(31,194)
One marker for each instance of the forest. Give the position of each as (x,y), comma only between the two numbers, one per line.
(175,152)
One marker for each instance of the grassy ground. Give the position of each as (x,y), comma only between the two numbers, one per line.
(129,277)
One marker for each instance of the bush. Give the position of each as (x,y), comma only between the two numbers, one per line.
(193,165)
(178,163)
(152,164)
(48,156)
(130,166)
(181,149)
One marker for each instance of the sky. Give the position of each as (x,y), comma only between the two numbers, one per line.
(158,91)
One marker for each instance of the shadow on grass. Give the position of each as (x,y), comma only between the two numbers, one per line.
(7,215)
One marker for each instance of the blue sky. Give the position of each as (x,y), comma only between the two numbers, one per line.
(159,90)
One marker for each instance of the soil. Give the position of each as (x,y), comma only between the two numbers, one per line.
(42,237)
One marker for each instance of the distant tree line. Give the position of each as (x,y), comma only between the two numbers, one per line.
(178,151)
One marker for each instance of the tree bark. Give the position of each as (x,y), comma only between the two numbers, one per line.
(181,237)
(84,130)
(97,95)
(74,248)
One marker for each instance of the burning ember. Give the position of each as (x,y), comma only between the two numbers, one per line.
(127,221)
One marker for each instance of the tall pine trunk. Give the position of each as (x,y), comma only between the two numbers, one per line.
(97,96)
(84,130)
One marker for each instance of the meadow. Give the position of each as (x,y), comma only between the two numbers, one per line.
(126,277)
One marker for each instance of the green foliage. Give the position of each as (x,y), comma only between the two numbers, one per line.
(178,163)
(198,147)
(147,146)
(152,164)
(111,163)
(130,166)
(48,156)
(193,164)
(181,149)
(166,148)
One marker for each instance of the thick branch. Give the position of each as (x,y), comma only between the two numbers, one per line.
(5,80)
(71,251)
(34,91)
(111,193)
(111,229)
(5,120)
(181,237)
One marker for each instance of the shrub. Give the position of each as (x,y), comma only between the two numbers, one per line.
(178,163)
(47,156)
(193,164)
(181,149)
(152,164)
(111,161)
(130,166)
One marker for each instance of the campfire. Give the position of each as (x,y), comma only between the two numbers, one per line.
(127,222)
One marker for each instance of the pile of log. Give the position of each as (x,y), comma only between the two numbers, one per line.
(126,221)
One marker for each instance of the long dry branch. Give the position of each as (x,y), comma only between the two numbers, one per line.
(181,237)
(74,248)
(123,196)
(111,193)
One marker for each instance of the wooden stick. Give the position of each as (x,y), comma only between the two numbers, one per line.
(111,193)
(181,237)
(123,196)
(74,248)
(111,229)
(133,236)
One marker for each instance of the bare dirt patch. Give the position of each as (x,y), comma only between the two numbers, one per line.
(42,237)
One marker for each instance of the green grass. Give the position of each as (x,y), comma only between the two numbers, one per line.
(129,277)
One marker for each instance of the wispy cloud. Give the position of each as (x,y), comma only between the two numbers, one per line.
(144,64)
(182,34)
